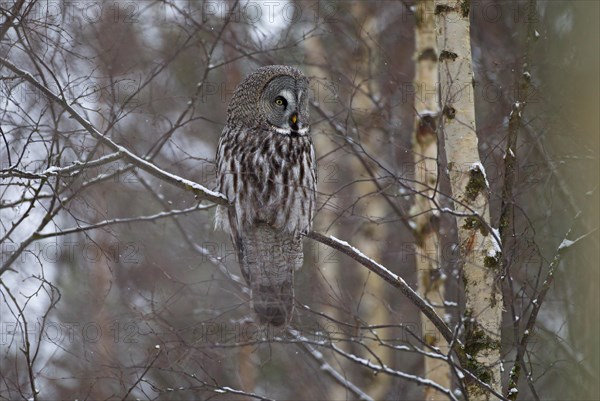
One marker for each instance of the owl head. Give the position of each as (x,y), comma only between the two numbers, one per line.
(273,97)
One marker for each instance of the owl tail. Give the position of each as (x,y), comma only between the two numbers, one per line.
(268,258)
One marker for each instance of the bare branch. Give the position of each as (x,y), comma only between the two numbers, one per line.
(515,372)
(199,190)
(388,276)
(109,222)
(53,171)
(327,368)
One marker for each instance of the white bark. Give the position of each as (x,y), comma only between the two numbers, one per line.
(425,149)
(469,185)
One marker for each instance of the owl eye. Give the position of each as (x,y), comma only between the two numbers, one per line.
(279,101)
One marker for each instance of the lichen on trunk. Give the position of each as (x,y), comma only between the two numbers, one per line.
(479,251)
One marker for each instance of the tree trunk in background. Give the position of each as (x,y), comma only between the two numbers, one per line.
(247,366)
(372,292)
(425,150)
(479,251)
(368,295)
(327,180)
(370,236)
(102,349)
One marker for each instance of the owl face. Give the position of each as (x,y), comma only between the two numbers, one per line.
(285,105)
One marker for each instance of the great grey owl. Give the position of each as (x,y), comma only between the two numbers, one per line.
(267,169)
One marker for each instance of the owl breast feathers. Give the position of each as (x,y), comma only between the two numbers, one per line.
(267,169)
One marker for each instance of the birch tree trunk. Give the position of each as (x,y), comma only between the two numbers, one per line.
(371,308)
(330,267)
(425,150)
(478,243)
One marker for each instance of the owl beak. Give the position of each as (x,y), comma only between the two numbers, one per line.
(294,122)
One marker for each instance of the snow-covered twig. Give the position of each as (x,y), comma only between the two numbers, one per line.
(388,276)
(229,390)
(200,191)
(70,170)
(226,389)
(565,244)
(393,372)
(327,368)
(104,223)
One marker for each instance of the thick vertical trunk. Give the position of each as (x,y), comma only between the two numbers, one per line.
(478,243)
(425,149)
(329,267)
(371,308)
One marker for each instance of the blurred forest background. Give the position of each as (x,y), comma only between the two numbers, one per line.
(114,284)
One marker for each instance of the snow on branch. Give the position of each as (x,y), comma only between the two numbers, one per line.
(565,245)
(327,368)
(200,191)
(229,390)
(104,223)
(393,372)
(388,276)
(376,367)
(70,170)
(222,389)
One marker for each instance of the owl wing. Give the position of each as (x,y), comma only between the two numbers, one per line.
(270,179)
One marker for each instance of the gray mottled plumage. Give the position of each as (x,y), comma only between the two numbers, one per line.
(267,169)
